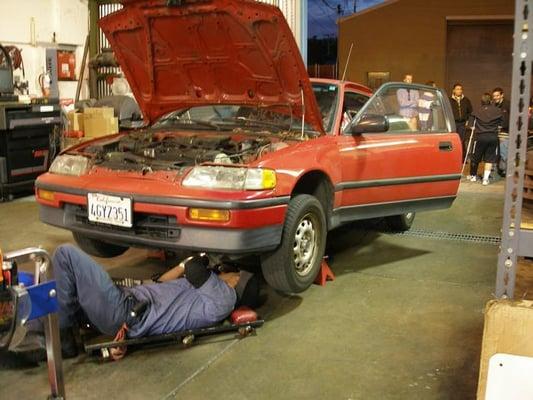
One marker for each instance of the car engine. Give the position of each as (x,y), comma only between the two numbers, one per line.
(142,151)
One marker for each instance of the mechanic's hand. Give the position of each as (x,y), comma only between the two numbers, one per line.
(231,278)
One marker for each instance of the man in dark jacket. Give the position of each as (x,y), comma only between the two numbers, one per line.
(499,100)
(462,108)
(503,104)
(486,122)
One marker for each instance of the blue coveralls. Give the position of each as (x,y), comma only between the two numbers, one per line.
(173,306)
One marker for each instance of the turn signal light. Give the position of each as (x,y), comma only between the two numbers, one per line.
(208,214)
(269,179)
(46,195)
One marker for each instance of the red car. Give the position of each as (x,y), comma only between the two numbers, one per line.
(242,154)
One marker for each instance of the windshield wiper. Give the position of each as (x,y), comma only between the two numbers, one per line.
(255,122)
(197,122)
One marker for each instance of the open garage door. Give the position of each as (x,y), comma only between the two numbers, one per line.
(479,55)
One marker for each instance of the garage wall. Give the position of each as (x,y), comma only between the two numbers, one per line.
(401,36)
(479,55)
(31,25)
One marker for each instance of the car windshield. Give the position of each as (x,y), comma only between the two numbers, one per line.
(327,99)
(273,118)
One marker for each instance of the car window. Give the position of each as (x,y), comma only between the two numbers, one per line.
(228,117)
(409,109)
(353,102)
(327,99)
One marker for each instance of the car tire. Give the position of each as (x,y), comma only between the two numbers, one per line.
(294,265)
(401,223)
(98,248)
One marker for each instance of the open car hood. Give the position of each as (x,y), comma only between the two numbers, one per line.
(200,52)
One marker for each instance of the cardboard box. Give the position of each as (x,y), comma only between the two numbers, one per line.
(105,112)
(114,125)
(94,121)
(508,330)
(96,125)
(75,121)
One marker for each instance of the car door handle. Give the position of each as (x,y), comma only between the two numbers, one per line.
(445,146)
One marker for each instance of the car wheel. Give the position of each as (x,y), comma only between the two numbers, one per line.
(294,265)
(401,223)
(97,248)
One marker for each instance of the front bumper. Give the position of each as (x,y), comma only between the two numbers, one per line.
(247,233)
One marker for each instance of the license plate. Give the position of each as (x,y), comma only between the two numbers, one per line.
(111,210)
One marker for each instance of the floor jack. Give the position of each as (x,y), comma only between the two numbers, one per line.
(25,297)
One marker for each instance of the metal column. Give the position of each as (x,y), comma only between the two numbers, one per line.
(516,242)
(304,18)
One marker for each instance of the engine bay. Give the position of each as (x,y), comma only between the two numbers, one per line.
(148,151)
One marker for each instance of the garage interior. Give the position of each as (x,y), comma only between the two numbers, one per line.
(418,314)
(403,319)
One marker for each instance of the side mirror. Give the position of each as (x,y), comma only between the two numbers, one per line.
(370,123)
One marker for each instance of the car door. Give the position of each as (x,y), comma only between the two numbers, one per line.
(413,165)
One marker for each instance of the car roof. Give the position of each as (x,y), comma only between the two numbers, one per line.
(352,85)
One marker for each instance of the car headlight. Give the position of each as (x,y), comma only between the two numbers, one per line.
(70,165)
(215,177)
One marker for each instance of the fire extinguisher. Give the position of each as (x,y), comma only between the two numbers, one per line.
(44,83)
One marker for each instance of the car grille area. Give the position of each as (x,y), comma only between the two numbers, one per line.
(162,227)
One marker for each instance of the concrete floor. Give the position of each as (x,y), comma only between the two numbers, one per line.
(403,320)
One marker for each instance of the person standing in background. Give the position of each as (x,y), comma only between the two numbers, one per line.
(499,100)
(408,101)
(462,109)
(487,121)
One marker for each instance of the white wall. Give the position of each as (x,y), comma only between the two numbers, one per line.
(295,12)
(31,24)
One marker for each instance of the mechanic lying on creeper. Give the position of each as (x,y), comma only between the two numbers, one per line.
(201,299)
